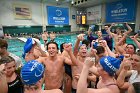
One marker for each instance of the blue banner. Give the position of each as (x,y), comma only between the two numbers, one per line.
(58,15)
(121,11)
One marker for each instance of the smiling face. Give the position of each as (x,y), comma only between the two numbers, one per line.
(52,50)
(135,61)
(83,50)
(10,68)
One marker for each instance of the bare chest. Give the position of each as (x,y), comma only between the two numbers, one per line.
(56,66)
(77,69)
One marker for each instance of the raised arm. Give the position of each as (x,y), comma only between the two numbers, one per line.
(94,71)
(89,31)
(134,38)
(121,78)
(129,28)
(80,37)
(125,64)
(110,53)
(125,34)
(72,60)
(3,81)
(82,83)
(109,32)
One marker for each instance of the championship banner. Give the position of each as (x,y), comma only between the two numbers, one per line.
(121,11)
(58,15)
(22,11)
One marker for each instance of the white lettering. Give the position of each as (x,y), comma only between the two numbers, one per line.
(119,11)
(59,21)
(34,66)
(14,83)
(109,65)
(59,18)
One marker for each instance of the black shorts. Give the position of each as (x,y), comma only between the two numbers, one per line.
(68,70)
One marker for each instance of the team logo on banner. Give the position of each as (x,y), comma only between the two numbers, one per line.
(57,15)
(58,12)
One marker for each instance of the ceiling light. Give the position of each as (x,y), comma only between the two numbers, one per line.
(72,2)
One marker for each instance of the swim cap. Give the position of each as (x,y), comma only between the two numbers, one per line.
(29,44)
(32,72)
(110,64)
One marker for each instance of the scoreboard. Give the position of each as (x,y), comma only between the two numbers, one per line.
(81,18)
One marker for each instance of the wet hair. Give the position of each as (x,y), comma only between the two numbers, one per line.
(87,42)
(133,47)
(107,25)
(100,49)
(52,42)
(81,46)
(61,47)
(3,43)
(7,59)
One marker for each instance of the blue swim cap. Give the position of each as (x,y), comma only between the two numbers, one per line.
(32,72)
(27,47)
(110,64)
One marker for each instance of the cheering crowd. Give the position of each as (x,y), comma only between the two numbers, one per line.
(92,65)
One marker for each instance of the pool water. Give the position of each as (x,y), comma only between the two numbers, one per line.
(64,38)
(16,46)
